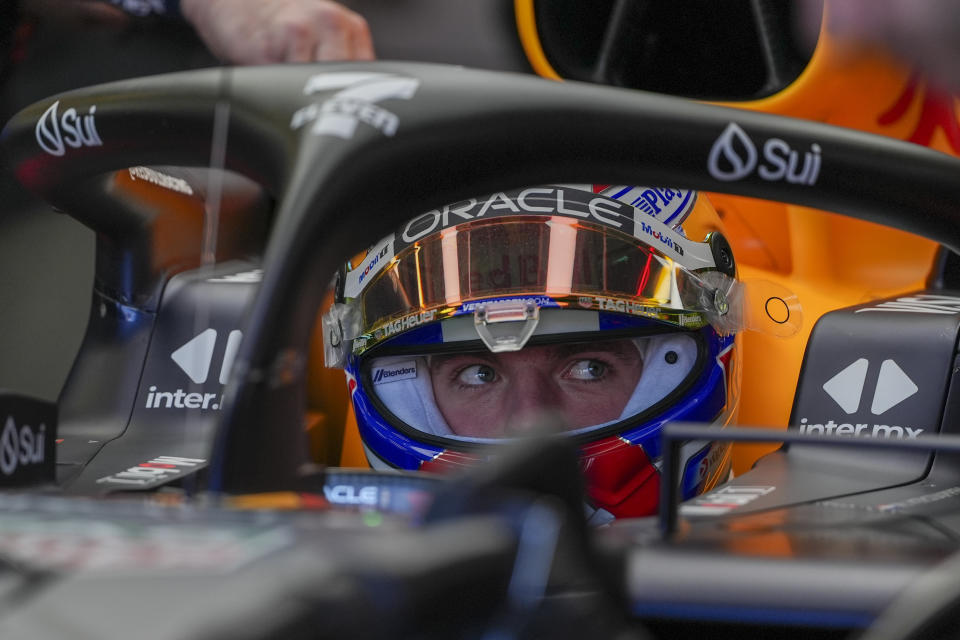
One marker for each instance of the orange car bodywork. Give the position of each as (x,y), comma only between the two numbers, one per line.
(829,261)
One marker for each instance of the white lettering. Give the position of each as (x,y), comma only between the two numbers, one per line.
(734,157)
(434,218)
(79,130)
(355,102)
(771,149)
(498,202)
(161,180)
(860,429)
(180,399)
(348,494)
(925,303)
(459,211)
(20,447)
(159,469)
(600,206)
(522,200)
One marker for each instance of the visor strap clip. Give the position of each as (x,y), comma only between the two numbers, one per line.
(506,325)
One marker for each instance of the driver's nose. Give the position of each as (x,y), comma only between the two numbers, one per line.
(531,399)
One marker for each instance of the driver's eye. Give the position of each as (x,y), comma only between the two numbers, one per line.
(477,374)
(587,370)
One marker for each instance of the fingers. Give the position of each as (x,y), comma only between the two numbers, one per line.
(342,35)
(270,31)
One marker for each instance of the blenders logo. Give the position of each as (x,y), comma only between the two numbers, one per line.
(20,447)
(53,131)
(355,102)
(394,372)
(846,389)
(734,157)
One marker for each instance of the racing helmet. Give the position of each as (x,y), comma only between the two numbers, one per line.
(609,308)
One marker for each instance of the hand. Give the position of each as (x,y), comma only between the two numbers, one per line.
(268,31)
(925,35)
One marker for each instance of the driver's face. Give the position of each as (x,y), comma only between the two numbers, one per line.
(489,395)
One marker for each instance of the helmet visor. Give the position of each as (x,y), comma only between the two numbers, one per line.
(557,258)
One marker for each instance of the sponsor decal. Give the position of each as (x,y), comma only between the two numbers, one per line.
(159,469)
(394,372)
(541,301)
(915,501)
(252,276)
(893,386)
(355,102)
(55,132)
(351,495)
(376,259)
(625,306)
(924,303)
(662,237)
(181,399)
(373,263)
(195,358)
(569,202)
(402,324)
(723,500)
(161,179)
(734,156)
(669,206)
(846,389)
(701,466)
(20,446)
(859,429)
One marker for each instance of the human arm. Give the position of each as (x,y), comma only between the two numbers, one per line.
(244,31)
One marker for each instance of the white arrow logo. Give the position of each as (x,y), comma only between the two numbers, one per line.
(195,356)
(893,386)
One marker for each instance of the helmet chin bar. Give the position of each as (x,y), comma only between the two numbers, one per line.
(506,325)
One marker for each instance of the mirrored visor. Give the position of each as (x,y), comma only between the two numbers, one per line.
(557,261)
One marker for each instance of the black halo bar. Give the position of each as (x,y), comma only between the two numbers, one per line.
(453,133)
